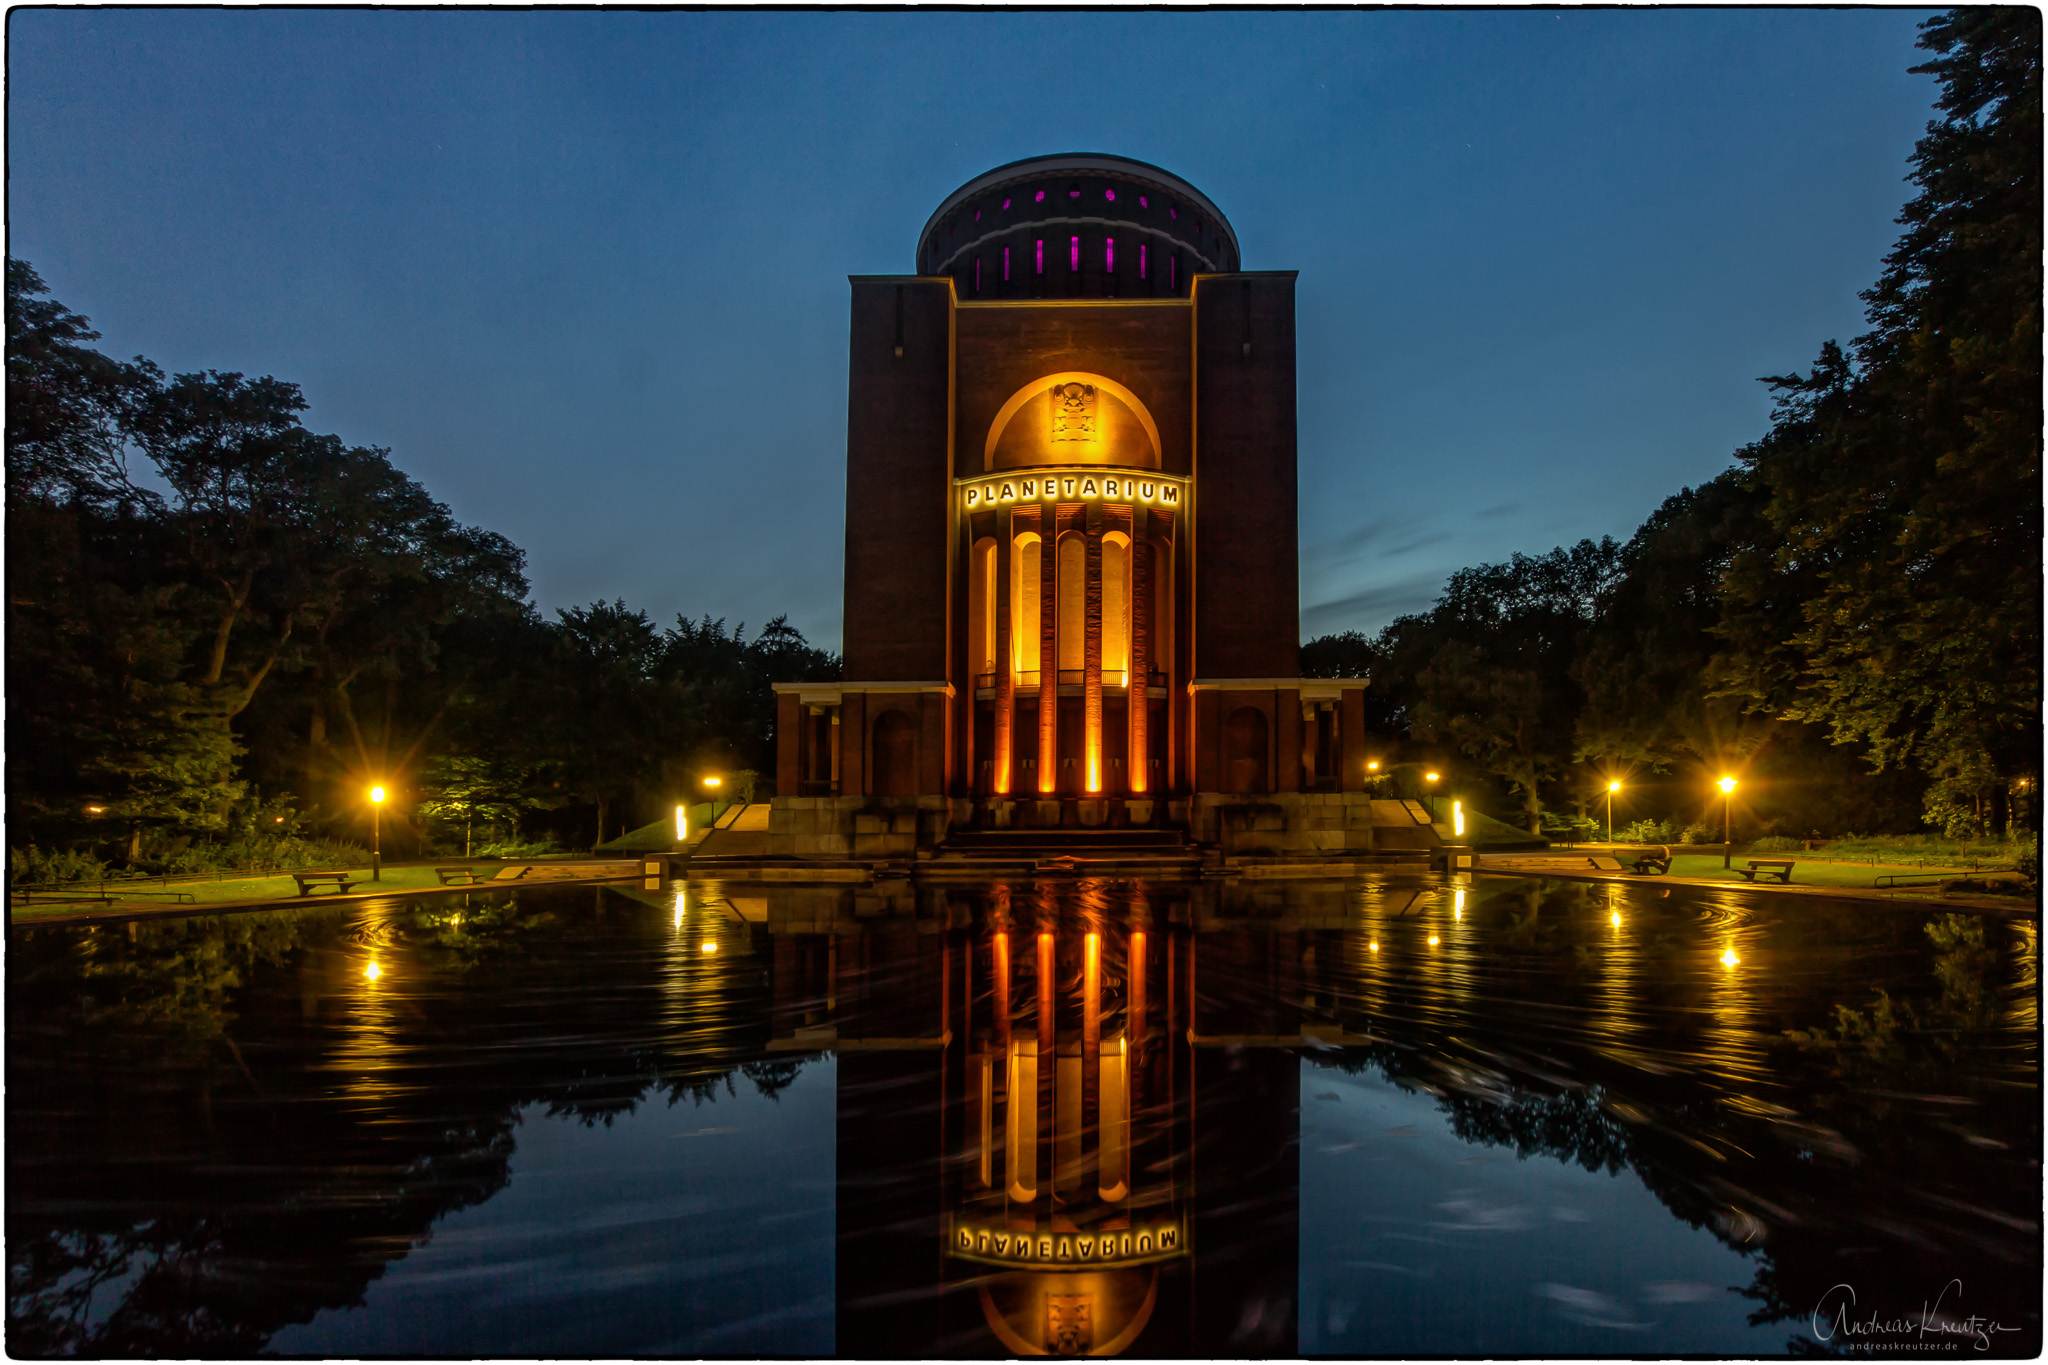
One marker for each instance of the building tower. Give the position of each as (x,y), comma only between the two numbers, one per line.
(1070,534)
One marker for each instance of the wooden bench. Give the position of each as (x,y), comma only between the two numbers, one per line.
(463,876)
(309,881)
(1768,867)
(1660,861)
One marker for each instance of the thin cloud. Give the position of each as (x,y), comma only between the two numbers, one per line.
(1371,608)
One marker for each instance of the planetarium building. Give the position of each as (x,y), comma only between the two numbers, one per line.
(1070,538)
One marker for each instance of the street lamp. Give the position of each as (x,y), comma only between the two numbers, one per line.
(1612,788)
(1431,779)
(376,834)
(1727,786)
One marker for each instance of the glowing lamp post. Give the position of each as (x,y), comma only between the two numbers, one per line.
(376,834)
(1612,788)
(1431,779)
(1727,786)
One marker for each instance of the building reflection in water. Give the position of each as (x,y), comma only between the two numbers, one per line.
(1047,1052)
(1068,1111)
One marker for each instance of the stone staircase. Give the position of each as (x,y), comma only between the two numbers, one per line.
(1085,852)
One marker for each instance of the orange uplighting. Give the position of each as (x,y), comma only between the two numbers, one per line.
(1094,765)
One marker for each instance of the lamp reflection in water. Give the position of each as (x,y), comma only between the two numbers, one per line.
(1620,973)
(1729,963)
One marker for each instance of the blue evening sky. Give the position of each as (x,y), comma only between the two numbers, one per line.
(584,273)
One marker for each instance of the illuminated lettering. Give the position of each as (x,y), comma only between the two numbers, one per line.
(1002,1244)
(966,1240)
(1085,1246)
(1045,1248)
(1144,1244)
(1169,1237)
(996,491)
(1066,1249)
(1123,1245)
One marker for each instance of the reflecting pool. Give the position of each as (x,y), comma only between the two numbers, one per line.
(1391,1116)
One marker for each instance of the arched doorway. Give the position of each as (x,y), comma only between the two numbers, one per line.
(895,755)
(1244,751)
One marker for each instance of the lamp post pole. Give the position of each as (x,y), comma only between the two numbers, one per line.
(1612,788)
(1727,785)
(376,834)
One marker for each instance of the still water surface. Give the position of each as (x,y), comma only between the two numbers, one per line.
(1393,1116)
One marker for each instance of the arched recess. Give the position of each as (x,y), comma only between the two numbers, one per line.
(981,608)
(895,754)
(1038,387)
(1024,590)
(1244,751)
(1116,608)
(1073,603)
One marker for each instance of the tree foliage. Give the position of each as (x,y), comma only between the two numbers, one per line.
(272,607)
(1869,572)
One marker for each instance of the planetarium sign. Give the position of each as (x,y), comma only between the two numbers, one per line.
(1085,483)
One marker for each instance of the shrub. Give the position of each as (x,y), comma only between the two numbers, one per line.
(2026,857)
(1649,832)
(283,853)
(518,848)
(39,866)
(1776,843)
(1700,832)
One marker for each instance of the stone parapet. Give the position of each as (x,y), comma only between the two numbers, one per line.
(1283,823)
(881,828)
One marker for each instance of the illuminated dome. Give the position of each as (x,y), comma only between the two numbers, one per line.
(1078,225)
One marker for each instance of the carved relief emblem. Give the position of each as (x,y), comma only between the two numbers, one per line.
(1073,412)
(1068,1328)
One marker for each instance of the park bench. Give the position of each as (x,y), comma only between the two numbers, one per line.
(1766,867)
(310,881)
(463,876)
(1659,861)
(1606,864)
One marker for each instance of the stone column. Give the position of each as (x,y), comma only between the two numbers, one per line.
(1001,769)
(1139,701)
(1092,780)
(1048,649)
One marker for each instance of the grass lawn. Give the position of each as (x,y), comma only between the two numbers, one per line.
(1805,872)
(280,887)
